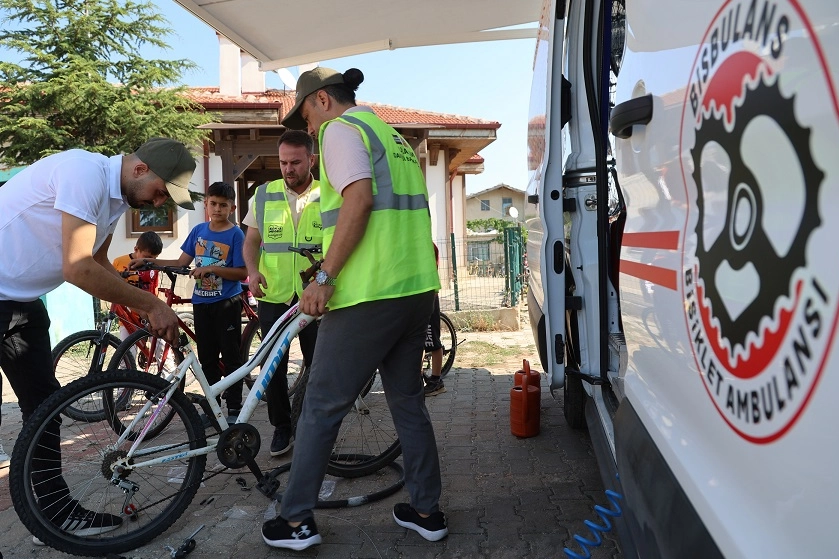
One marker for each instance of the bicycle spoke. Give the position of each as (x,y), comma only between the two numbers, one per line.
(155,495)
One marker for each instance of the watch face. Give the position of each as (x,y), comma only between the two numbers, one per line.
(321,277)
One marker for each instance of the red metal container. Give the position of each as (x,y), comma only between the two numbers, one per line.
(524,404)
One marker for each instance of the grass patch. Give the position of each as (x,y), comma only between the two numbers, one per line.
(478,322)
(484,354)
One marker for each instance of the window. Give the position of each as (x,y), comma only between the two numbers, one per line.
(484,205)
(160,220)
(478,250)
(505,205)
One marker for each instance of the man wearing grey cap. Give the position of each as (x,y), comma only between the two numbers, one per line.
(379,269)
(58,217)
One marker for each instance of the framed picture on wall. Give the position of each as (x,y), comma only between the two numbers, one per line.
(161,220)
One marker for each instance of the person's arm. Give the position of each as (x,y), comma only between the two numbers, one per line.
(101,257)
(349,230)
(251,253)
(224,272)
(84,270)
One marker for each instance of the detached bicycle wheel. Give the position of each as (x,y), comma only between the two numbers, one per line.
(367,440)
(85,353)
(448,337)
(98,512)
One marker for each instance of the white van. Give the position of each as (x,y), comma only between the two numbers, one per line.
(685,279)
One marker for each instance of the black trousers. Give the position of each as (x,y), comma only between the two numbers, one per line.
(26,360)
(218,331)
(279,407)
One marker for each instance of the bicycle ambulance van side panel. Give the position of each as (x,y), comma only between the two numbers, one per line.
(701,312)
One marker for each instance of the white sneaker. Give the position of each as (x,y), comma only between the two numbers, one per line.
(4,458)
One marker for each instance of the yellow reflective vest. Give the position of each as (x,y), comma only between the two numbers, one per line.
(395,258)
(279,265)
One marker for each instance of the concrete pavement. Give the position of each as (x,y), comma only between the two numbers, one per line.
(504,497)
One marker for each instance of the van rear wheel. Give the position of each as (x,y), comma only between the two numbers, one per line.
(574,401)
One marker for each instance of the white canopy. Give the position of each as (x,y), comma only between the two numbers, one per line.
(280,33)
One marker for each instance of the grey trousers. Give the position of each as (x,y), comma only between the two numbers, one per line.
(352,342)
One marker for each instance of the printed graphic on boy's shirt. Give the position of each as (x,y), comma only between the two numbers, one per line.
(210,253)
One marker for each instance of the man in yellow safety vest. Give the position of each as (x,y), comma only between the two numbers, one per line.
(283,213)
(378,280)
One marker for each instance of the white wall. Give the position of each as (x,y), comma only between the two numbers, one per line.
(435,180)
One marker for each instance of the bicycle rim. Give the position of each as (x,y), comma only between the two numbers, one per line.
(367,439)
(158,494)
(77,356)
(448,338)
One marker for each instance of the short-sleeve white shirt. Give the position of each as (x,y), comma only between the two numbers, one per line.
(345,157)
(80,183)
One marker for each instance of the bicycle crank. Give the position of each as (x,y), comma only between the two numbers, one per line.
(238,445)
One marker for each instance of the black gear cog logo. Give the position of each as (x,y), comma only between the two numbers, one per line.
(739,245)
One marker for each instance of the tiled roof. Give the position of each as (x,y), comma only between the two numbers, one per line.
(211,99)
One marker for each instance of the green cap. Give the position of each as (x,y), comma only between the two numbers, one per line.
(171,161)
(308,83)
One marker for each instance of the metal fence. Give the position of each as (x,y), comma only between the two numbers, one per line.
(480,273)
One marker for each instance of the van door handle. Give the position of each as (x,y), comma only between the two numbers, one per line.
(629,113)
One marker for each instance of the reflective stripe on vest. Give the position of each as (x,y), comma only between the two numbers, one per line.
(385,199)
(276,227)
(395,257)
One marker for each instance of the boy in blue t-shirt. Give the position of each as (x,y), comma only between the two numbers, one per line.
(216,248)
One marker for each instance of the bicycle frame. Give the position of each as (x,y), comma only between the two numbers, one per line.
(272,349)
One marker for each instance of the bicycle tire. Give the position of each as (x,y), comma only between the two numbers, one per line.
(79,355)
(367,439)
(148,361)
(87,455)
(251,340)
(448,337)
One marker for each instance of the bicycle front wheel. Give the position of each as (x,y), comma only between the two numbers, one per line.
(448,338)
(367,440)
(84,353)
(133,506)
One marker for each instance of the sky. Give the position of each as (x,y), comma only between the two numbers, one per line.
(488,80)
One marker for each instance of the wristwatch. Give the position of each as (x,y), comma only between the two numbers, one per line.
(322,278)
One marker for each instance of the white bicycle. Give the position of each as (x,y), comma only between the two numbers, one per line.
(143,460)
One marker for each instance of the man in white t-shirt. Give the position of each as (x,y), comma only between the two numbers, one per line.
(58,217)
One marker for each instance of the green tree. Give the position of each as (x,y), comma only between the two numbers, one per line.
(82,83)
(493,224)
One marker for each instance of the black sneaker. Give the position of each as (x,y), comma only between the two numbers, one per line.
(434,386)
(281,442)
(433,528)
(277,533)
(233,415)
(75,519)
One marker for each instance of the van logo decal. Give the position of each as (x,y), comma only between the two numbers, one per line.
(759,271)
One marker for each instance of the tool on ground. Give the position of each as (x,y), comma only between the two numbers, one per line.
(186,547)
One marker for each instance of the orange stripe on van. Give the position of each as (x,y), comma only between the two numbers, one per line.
(655,274)
(654,239)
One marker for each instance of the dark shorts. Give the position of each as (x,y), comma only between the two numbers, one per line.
(432,334)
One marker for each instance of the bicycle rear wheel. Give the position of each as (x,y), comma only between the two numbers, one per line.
(448,337)
(81,354)
(367,440)
(86,452)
